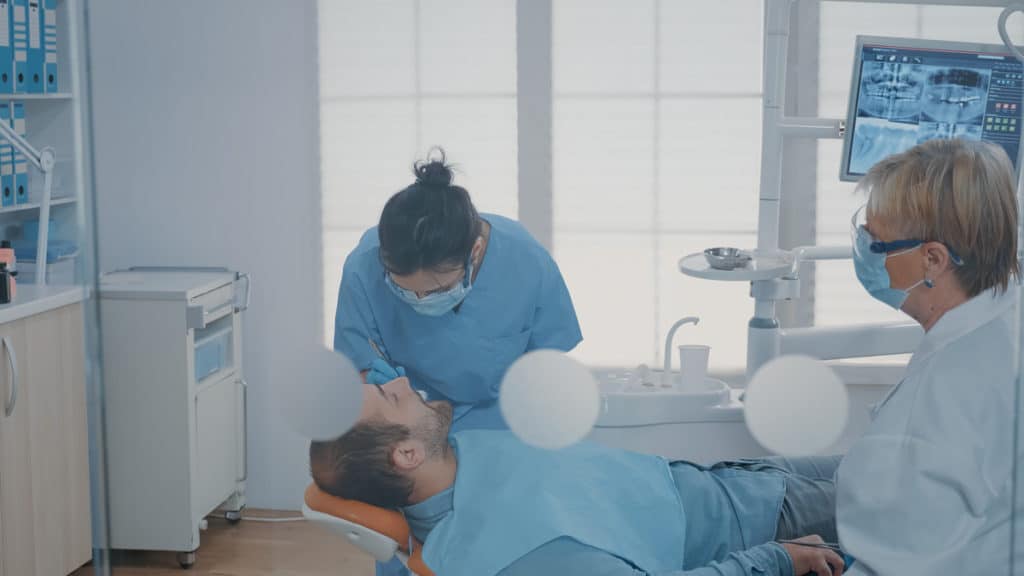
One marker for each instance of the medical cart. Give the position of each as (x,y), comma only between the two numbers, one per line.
(175,403)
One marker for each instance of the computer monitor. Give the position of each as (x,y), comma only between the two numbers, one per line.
(906,91)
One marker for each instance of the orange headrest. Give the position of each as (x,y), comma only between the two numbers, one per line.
(386,522)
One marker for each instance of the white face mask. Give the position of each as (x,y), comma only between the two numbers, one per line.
(872,273)
(438,303)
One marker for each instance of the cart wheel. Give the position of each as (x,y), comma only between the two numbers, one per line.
(186,559)
(233,516)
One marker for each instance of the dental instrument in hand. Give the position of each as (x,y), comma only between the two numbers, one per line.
(377,350)
(399,371)
(824,545)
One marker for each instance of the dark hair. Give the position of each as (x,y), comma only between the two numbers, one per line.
(430,225)
(357,465)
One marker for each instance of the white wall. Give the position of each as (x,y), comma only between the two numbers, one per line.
(206,150)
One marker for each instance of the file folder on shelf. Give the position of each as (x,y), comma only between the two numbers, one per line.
(6,162)
(50,83)
(35,46)
(6,49)
(19,44)
(20,162)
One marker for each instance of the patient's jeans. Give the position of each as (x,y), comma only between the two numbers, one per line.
(809,506)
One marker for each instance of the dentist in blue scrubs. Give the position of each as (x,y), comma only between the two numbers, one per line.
(449,298)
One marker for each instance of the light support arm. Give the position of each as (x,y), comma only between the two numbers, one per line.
(44,160)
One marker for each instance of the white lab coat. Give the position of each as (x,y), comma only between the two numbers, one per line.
(928,488)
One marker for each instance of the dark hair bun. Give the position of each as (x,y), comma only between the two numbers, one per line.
(430,224)
(433,172)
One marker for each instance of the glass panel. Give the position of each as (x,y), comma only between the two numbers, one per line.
(603,46)
(367,48)
(841,22)
(698,56)
(338,243)
(608,275)
(710,153)
(961,23)
(366,155)
(603,172)
(479,137)
(836,201)
(468,46)
(76,496)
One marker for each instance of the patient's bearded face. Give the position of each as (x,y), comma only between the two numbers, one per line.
(432,428)
(397,403)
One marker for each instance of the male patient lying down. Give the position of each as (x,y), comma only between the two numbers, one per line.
(483,503)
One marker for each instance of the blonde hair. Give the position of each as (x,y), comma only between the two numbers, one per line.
(960,193)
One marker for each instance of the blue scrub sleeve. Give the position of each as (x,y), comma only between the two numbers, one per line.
(567,557)
(354,323)
(554,320)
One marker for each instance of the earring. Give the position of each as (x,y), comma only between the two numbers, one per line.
(929,283)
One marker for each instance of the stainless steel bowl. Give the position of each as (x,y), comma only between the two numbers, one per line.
(726,258)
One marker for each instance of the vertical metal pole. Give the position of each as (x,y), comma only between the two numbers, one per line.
(44,227)
(776,39)
(534,106)
(798,205)
(763,330)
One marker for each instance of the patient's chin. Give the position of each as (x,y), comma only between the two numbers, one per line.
(444,412)
(433,428)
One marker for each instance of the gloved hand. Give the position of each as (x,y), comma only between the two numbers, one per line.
(381,372)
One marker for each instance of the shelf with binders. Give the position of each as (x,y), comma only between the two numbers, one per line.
(31,207)
(57,96)
(53,120)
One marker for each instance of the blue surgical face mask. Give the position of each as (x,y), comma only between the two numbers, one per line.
(871,271)
(438,303)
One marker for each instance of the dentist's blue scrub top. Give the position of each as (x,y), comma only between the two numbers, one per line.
(519,302)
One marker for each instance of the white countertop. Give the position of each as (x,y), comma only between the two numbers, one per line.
(32,300)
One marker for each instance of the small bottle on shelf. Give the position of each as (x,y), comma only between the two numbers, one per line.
(5,284)
(7,257)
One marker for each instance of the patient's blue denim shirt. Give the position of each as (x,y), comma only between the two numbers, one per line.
(422,517)
(714,505)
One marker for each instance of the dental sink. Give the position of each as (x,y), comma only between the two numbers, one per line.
(637,398)
(686,416)
(704,425)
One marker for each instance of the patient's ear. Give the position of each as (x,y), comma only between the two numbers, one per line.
(408,454)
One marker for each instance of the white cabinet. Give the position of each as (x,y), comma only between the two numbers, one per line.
(44,459)
(175,403)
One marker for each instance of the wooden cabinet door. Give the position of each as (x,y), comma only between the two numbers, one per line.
(16,489)
(58,436)
(78,518)
(46,435)
(45,524)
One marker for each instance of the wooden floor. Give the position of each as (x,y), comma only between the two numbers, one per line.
(253,548)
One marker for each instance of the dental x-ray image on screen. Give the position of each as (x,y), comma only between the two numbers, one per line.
(909,91)
(891,91)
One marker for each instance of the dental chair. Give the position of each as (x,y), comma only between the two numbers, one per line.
(380,533)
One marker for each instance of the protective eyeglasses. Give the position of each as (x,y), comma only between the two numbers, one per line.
(859,221)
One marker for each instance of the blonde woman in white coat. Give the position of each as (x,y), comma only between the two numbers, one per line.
(928,489)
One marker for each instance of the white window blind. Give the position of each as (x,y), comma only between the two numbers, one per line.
(657,122)
(656,136)
(400,76)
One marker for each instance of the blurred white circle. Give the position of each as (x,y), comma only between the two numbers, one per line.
(324,402)
(549,400)
(796,406)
